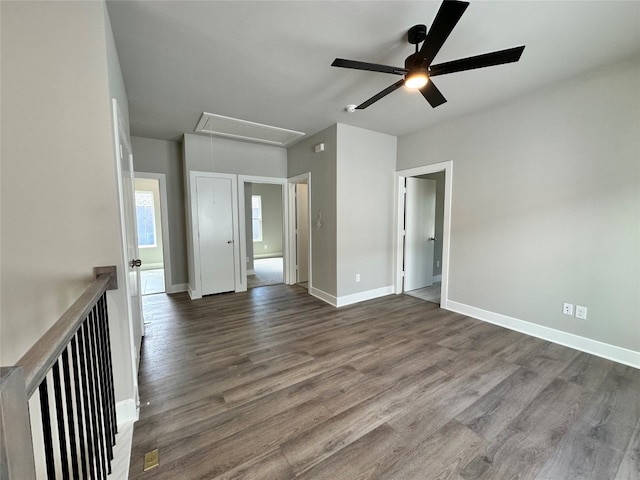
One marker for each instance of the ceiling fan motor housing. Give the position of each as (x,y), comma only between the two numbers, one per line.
(417,34)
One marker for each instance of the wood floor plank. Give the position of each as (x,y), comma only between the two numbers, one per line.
(273,383)
(213,458)
(272,466)
(491,413)
(441,456)
(363,459)
(527,443)
(315,444)
(630,465)
(580,457)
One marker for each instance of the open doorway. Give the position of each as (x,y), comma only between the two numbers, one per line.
(299,195)
(423,232)
(153,238)
(264,233)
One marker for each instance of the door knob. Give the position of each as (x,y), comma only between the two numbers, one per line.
(135,263)
(230,241)
(432,239)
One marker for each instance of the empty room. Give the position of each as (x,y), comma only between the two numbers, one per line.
(320,240)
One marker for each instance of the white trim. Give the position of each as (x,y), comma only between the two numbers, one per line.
(127,411)
(304,178)
(353,298)
(251,271)
(594,347)
(364,296)
(164,222)
(151,266)
(437,278)
(194,294)
(324,296)
(242,179)
(177,288)
(117,139)
(447,167)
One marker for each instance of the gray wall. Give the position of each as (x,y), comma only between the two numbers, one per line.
(220,155)
(365,209)
(60,215)
(161,156)
(546,204)
(272,234)
(303,159)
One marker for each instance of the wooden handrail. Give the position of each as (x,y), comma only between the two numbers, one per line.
(45,352)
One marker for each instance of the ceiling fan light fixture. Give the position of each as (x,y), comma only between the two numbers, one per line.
(416,79)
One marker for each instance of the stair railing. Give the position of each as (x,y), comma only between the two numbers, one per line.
(70,368)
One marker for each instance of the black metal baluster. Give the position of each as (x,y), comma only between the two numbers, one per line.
(109,363)
(97,377)
(106,417)
(62,434)
(46,429)
(76,381)
(87,400)
(66,375)
(94,394)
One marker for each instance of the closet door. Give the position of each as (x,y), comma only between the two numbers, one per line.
(215,234)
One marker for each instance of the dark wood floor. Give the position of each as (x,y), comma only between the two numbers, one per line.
(275,384)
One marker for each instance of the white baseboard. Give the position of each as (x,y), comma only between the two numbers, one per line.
(251,272)
(330,299)
(268,255)
(193,294)
(351,299)
(127,411)
(437,278)
(363,296)
(594,347)
(177,288)
(151,266)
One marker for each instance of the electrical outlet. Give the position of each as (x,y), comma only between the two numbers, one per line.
(437,263)
(581,312)
(357,277)
(266,247)
(567,308)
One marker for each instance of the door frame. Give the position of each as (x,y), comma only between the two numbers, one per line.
(120,136)
(447,167)
(242,179)
(196,292)
(164,224)
(304,178)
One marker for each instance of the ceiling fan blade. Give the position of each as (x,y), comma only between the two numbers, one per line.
(432,94)
(479,61)
(446,19)
(372,67)
(381,94)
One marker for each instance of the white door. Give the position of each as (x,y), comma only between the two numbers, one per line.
(420,227)
(130,231)
(215,234)
(302,233)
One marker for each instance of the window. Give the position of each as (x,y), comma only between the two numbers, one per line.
(256,217)
(146,219)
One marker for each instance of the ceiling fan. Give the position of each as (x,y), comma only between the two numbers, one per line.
(418,69)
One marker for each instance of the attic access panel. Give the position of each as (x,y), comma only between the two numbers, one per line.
(236,128)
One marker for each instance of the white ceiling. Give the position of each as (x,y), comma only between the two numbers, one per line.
(269,61)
